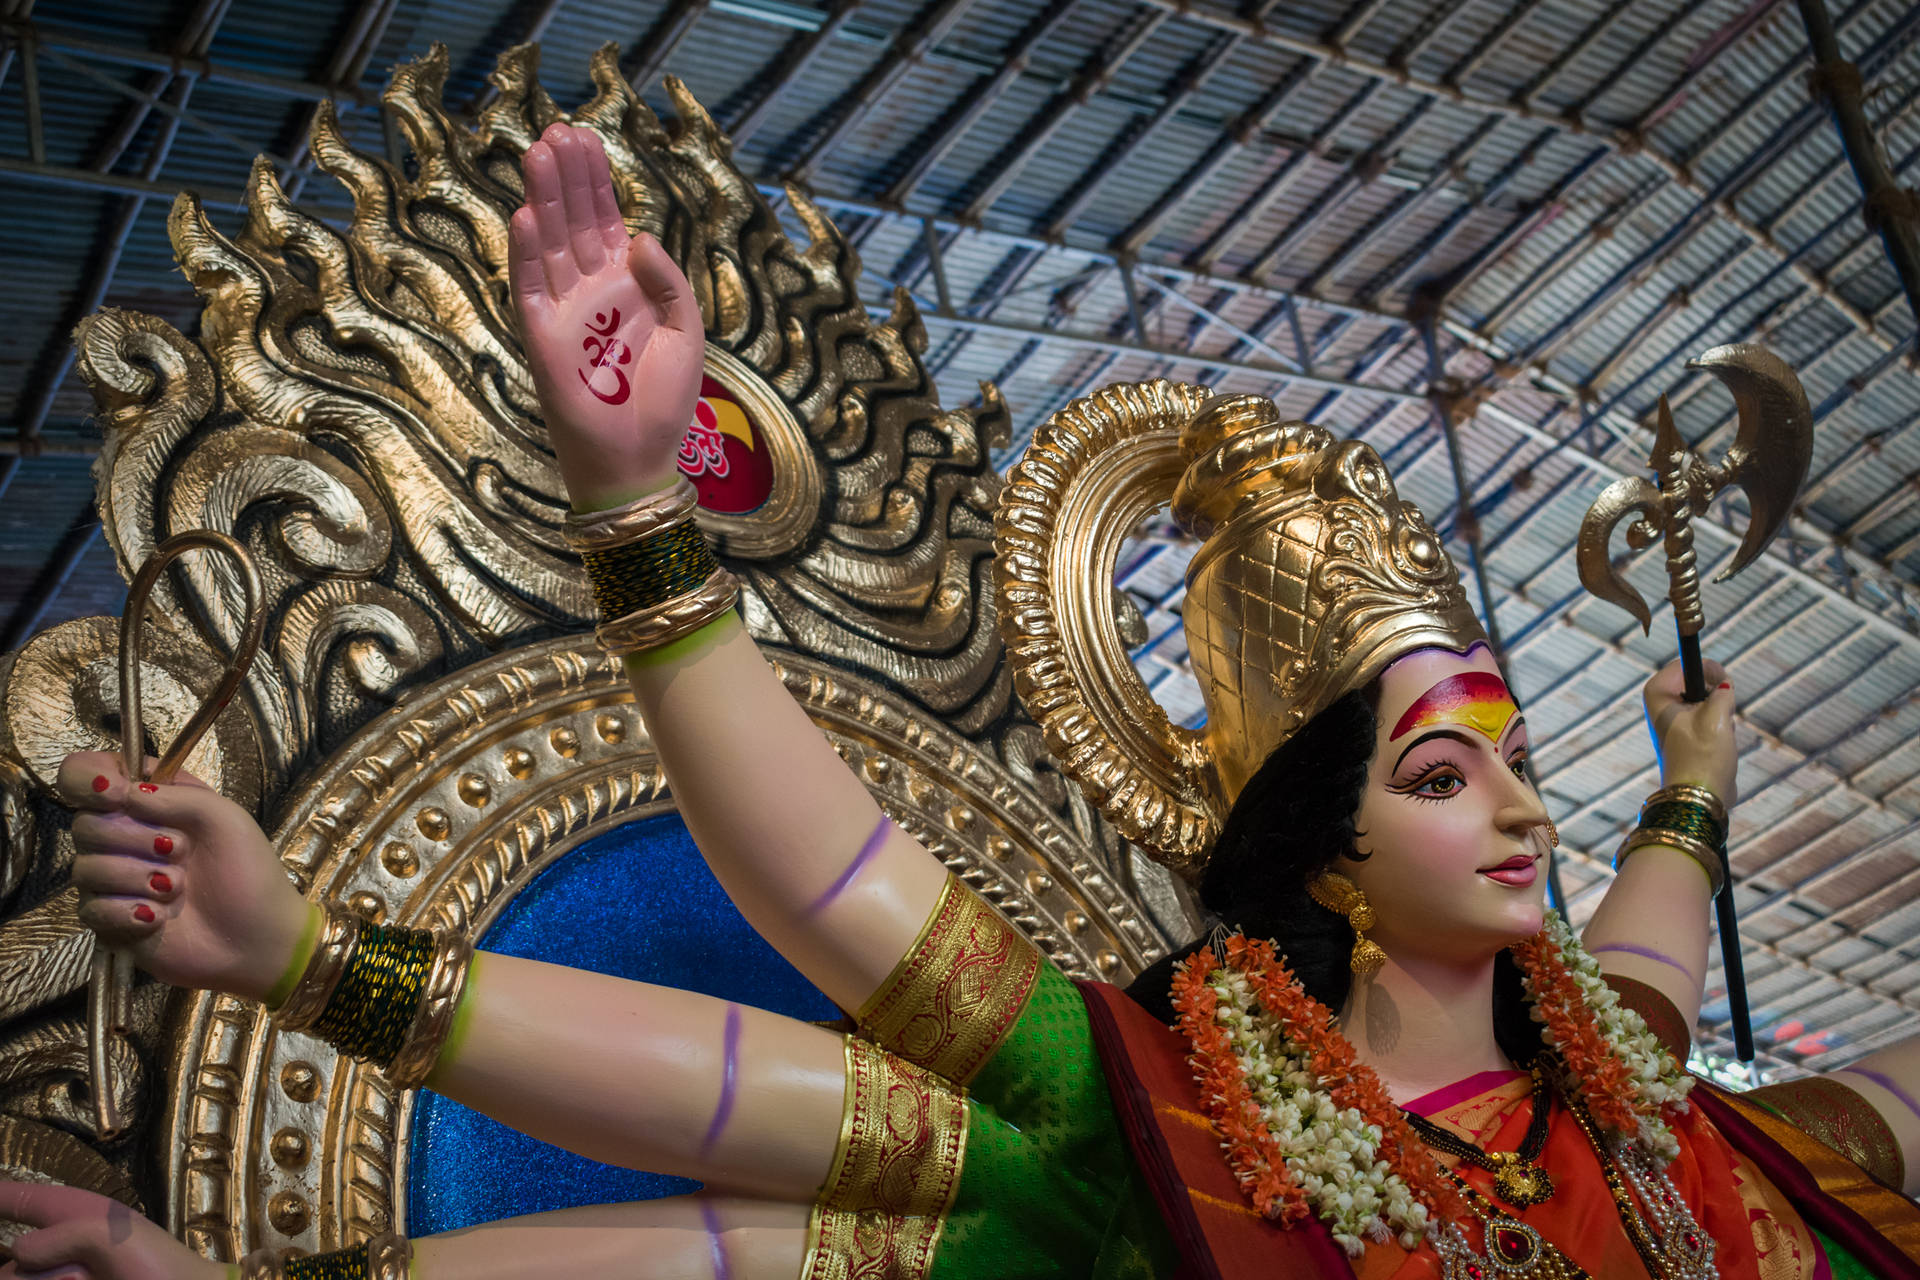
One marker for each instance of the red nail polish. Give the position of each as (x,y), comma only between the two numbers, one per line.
(100,782)
(149,788)
(163,845)
(143,913)
(1725,685)
(160,883)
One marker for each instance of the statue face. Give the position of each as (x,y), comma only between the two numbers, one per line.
(1456,835)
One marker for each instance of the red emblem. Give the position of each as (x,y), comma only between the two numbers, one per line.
(724,455)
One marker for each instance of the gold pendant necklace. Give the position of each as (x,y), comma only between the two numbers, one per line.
(1662,1230)
(1518,1177)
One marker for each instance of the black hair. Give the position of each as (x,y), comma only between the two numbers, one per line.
(1293,820)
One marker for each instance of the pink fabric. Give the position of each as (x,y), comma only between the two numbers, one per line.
(1459,1091)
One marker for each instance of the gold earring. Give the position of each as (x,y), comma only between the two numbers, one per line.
(1553,834)
(1338,894)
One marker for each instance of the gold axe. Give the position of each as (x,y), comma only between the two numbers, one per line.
(108,1013)
(1768,459)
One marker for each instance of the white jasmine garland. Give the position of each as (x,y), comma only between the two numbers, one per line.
(1658,1080)
(1331,1153)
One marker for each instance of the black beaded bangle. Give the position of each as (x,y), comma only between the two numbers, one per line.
(374,1005)
(640,575)
(1687,818)
(342,1264)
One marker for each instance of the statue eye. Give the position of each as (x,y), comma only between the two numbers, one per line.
(1438,786)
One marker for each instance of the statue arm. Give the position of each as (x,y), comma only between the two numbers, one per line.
(647,1240)
(794,837)
(1652,927)
(648,1077)
(1652,924)
(72,1232)
(782,822)
(1889,1082)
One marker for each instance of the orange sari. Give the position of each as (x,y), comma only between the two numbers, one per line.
(1756,1232)
(1759,1220)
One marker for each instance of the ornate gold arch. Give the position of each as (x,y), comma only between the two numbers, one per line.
(429,724)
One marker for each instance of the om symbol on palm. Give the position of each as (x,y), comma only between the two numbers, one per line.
(607,353)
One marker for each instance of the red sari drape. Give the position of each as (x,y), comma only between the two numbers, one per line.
(1754,1183)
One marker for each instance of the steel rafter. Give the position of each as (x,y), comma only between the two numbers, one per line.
(852,108)
(928,153)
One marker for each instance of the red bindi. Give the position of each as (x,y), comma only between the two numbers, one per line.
(159,883)
(143,913)
(100,782)
(163,845)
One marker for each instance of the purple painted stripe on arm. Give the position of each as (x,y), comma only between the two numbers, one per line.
(729,1081)
(1645,953)
(1888,1083)
(711,1217)
(860,860)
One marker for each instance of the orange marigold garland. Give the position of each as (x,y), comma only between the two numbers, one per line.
(1308,1129)
(1615,1064)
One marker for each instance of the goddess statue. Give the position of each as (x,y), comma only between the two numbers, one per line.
(1388,1059)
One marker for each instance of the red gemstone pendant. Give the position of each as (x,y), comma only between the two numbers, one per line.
(1514,1246)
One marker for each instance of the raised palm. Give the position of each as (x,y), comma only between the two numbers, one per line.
(611,327)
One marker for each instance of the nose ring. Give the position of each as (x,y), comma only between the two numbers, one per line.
(1553,834)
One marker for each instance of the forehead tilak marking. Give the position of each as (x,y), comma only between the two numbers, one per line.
(1477,699)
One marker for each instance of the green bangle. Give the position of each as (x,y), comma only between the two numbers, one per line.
(342,1264)
(642,575)
(374,1005)
(1687,818)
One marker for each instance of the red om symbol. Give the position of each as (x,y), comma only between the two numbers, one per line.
(606,352)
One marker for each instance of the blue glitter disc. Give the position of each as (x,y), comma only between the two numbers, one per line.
(637,902)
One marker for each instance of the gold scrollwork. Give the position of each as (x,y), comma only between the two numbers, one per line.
(357,410)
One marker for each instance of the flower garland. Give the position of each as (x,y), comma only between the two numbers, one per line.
(1309,1129)
(1623,1074)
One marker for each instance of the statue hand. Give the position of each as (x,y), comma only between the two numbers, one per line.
(82,1236)
(182,878)
(1694,739)
(611,326)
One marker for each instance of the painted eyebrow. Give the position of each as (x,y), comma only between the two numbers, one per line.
(1519,721)
(1429,736)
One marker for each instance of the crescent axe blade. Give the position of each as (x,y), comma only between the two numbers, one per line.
(1773,445)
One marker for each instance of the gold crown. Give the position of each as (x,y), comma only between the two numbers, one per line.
(1312,577)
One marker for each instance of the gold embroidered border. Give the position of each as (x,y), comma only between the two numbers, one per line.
(1838,1116)
(1887,1212)
(903,1139)
(869,1245)
(902,1136)
(957,992)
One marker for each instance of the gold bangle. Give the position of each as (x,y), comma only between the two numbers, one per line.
(641,518)
(665,623)
(1702,853)
(388,1255)
(339,939)
(433,1020)
(1687,791)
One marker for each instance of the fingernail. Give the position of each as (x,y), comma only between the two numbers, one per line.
(149,788)
(143,913)
(163,845)
(100,782)
(1725,685)
(160,883)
